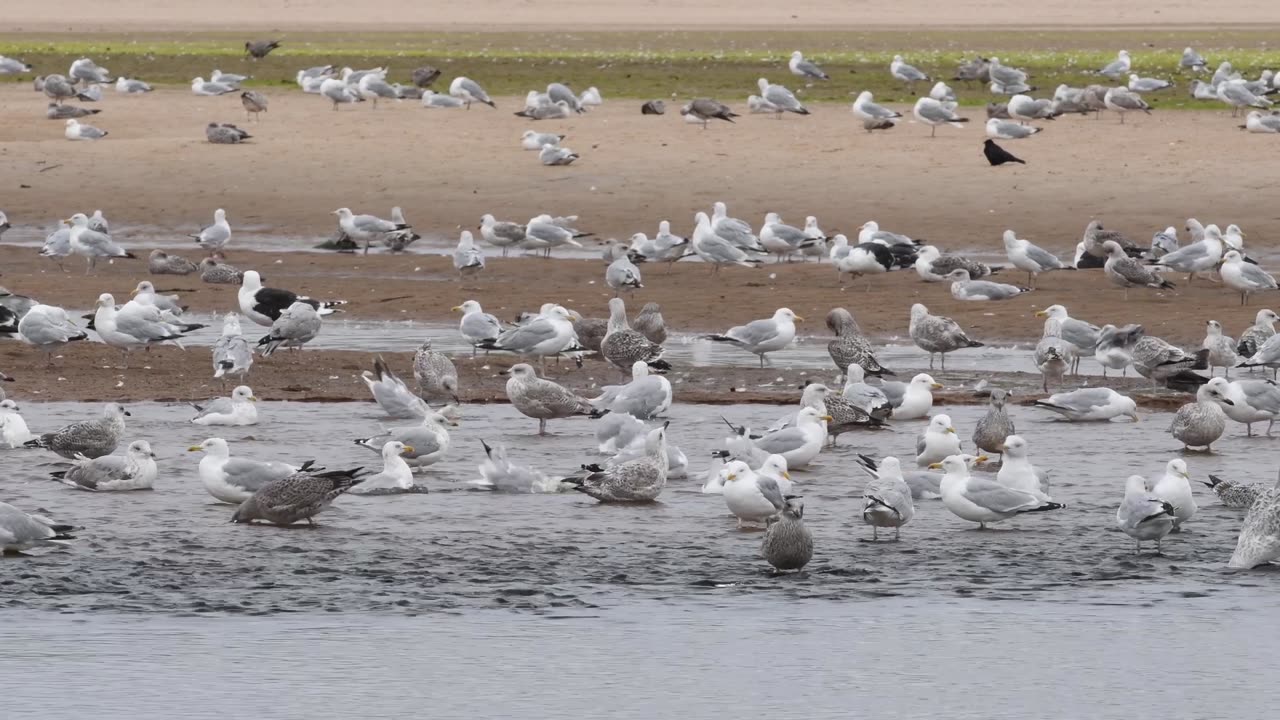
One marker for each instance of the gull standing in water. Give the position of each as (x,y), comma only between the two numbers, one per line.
(298,325)
(1251,401)
(762,336)
(20,531)
(788,544)
(1256,335)
(396,475)
(435,374)
(1080,336)
(1233,495)
(542,399)
(1029,257)
(391,393)
(938,441)
(639,480)
(300,496)
(429,440)
(366,227)
(622,346)
(1259,541)
(90,438)
(1244,277)
(1174,487)
(937,334)
(477,326)
(239,409)
(1142,515)
(1201,423)
(981,500)
(750,497)
(851,346)
(500,233)
(550,333)
(215,236)
(917,398)
(93,244)
(1016,470)
(231,352)
(887,499)
(994,427)
(1090,404)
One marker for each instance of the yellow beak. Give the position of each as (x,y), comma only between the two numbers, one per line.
(194,448)
(67,221)
(456,308)
(936,386)
(935,466)
(407,449)
(799,319)
(252,399)
(730,476)
(951,430)
(983,458)
(828,418)
(1135,417)
(1041,313)
(786,475)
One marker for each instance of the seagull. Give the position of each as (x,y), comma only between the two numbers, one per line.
(76,131)
(200,87)
(908,74)
(1123,101)
(805,69)
(469,91)
(214,237)
(934,113)
(706,109)
(366,227)
(781,98)
(1117,68)
(263,305)
(1141,84)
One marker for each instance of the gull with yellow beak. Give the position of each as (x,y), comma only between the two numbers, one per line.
(239,409)
(396,476)
(939,440)
(763,336)
(982,500)
(477,327)
(799,444)
(750,497)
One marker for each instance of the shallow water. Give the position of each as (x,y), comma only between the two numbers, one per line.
(548,605)
(454,549)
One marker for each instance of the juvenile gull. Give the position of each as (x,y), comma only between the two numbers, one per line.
(887,499)
(429,439)
(650,323)
(500,233)
(762,336)
(239,409)
(216,272)
(805,69)
(851,346)
(254,103)
(231,352)
(639,480)
(933,266)
(299,496)
(215,236)
(391,393)
(995,426)
(135,470)
(937,334)
(750,497)
(1053,358)
(781,98)
(984,501)
(162,263)
(542,399)
(90,438)
(264,305)
(1142,515)
(1201,423)
(1253,338)
(20,531)
(1090,404)
(788,544)
(623,346)
(469,91)
(1222,348)
(934,113)
(260,48)
(499,474)
(1127,272)
(1232,495)
(1259,541)
(296,326)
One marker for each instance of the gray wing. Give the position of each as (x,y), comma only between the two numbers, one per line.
(935,113)
(781,97)
(142,322)
(1261,395)
(251,475)
(19,527)
(1079,333)
(720,249)
(91,474)
(1257,277)
(792,235)
(782,441)
(419,437)
(754,332)
(769,488)
(234,350)
(481,326)
(1083,400)
(474,89)
(1195,252)
(911,73)
(509,231)
(215,234)
(990,290)
(1045,259)
(547,232)
(998,498)
(526,336)
(99,244)
(878,111)
(295,326)
(371,224)
(920,443)
(811,70)
(220,406)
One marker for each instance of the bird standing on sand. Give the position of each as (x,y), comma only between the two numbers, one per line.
(997,155)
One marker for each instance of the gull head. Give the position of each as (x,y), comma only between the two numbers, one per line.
(522,371)
(1053,311)
(242,392)
(1178,468)
(106,300)
(958,275)
(342,213)
(141,449)
(1214,392)
(786,314)
(1015,446)
(775,466)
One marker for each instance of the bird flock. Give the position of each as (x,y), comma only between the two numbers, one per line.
(753,469)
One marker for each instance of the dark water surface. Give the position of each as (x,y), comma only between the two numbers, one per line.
(415,606)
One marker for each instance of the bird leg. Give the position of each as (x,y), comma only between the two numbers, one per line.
(542,427)
(875,533)
(897,532)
